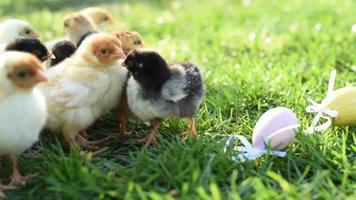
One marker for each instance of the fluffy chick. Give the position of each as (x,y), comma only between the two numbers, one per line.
(84,87)
(130,40)
(23,108)
(76,25)
(101,17)
(13,28)
(32,46)
(62,50)
(157,91)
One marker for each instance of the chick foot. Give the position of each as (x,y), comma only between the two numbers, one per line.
(124,135)
(84,134)
(191,132)
(90,144)
(17,178)
(92,154)
(151,139)
(5,188)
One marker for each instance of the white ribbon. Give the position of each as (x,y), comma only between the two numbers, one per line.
(249,152)
(321,110)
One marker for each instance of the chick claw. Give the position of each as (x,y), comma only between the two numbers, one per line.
(18,179)
(84,134)
(7,187)
(186,134)
(4,188)
(124,135)
(85,155)
(150,139)
(90,144)
(191,130)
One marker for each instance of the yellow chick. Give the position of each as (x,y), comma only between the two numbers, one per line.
(130,40)
(22,107)
(101,17)
(84,87)
(76,25)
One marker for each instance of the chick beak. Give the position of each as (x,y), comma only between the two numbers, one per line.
(119,54)
(51,56)
(35,35)
(41,77)
(124,64)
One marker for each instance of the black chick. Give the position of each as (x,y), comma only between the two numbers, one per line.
(32,46)
(82,38)
(62,50)
(157,90)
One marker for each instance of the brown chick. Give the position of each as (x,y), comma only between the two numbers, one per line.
(76,25)
(101,17)
(130,40)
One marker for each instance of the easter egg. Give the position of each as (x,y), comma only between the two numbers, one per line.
(343,100)
(276,127)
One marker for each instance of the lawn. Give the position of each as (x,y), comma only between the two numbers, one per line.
(255,55)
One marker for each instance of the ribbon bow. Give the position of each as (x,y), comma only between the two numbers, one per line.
(249,152)
(321,110)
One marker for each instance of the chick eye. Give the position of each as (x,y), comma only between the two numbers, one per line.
(27,32)
(22,75)
(138,42)
(104,51)
(106,18)
(66,24)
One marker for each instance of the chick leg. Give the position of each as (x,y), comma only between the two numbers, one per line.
(122,128)
(151,138)
(70,138)
(191,130)
(17,178)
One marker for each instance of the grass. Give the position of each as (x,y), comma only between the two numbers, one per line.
(255,55)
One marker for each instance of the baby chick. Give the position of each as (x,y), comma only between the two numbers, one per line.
(13,28)
(76,25)
(130,40)
(23,109)
(101,17)
(157,91)
(84,87)
(30,45)
(62,50)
